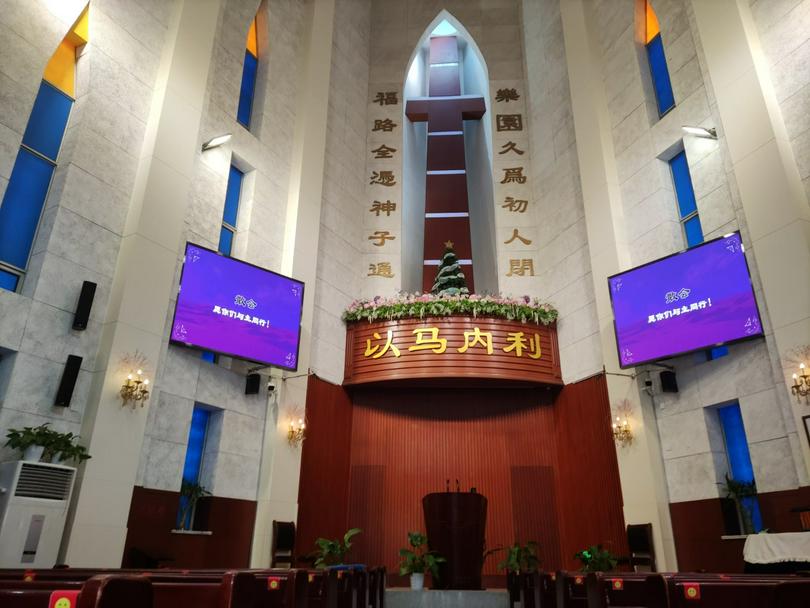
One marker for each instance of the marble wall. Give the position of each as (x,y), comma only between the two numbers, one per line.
(784,32)
(340,251)
(564,271)
(643,143)
(84,214)
(522,44)
(236,429)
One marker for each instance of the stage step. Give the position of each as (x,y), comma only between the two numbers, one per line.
(405,598)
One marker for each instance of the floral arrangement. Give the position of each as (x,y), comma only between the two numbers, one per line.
(419,305)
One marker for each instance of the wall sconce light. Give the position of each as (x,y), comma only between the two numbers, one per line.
(801,384)
(622,433)
(708,133)
(215,142)
(135,390)
(296,432)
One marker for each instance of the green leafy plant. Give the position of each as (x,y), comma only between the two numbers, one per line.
(739,492)
(192,493)
(596,559)
(416,559)
(330,552)
(64,447)
(521,558)
(419,306)
(22,439)
(56,444)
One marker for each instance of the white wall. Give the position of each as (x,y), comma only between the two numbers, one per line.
(88,202)
(564,269)
(344,206)
(642,145)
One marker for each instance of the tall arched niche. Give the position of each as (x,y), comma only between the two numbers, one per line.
(478,152)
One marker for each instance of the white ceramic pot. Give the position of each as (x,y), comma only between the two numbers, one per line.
(417,581)
(33,453)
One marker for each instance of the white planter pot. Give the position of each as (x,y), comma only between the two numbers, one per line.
(33,453)
(417,581)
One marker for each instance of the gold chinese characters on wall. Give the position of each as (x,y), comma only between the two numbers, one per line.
(443,348)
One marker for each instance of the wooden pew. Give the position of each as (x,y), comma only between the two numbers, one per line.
(617,589)
(739,591)
(107,591)
(570,589)
(316,590)
(537,590)
(276,588)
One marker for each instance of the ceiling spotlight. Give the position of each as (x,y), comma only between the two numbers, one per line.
(215,142)
(710,133)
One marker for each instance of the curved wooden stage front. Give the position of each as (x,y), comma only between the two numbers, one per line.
(445,350)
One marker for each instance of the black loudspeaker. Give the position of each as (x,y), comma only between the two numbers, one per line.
(252,384)
(82,315)
(68,382)
(669,384)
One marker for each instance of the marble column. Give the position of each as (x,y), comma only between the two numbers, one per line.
(768,179)
(281,464)
(641,467)
(142,286)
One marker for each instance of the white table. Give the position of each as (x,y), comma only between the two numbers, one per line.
(777,548)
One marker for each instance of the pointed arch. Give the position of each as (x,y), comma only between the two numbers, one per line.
(30,179)
(474,82)
(463,35)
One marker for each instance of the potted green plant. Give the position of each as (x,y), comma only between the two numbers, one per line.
(190,494)
(596,559)
(330,552)
(31,442)
(519,559)
(63,448)
(417,560)
(742,493)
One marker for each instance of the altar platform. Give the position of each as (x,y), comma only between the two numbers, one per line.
(406,598)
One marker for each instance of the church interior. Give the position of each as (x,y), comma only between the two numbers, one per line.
(425,303)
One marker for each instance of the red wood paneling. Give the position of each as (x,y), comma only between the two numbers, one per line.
(444,80)
(548,470)
(697,526)
(439,230)
(153,514)
(423,437)
(445,153)
(443,49)
(588,487)
(324,487)
(443,114)
(473,364)
(446,193)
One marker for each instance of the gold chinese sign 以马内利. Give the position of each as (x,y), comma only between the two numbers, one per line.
(447,348)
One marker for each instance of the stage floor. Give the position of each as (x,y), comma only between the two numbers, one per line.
(405,598)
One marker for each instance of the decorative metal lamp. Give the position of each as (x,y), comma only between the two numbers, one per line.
(801,384)
(622,433)
(135,390)
(296,432)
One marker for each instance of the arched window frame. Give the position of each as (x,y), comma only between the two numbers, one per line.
(32,173)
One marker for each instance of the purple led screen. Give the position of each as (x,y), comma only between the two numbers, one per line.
(692,300)
(236,309)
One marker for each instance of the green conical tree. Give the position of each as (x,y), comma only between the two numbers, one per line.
(450,279)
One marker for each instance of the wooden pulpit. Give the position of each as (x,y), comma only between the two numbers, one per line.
(456,526)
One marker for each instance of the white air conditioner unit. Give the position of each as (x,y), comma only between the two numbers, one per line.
(34,499)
